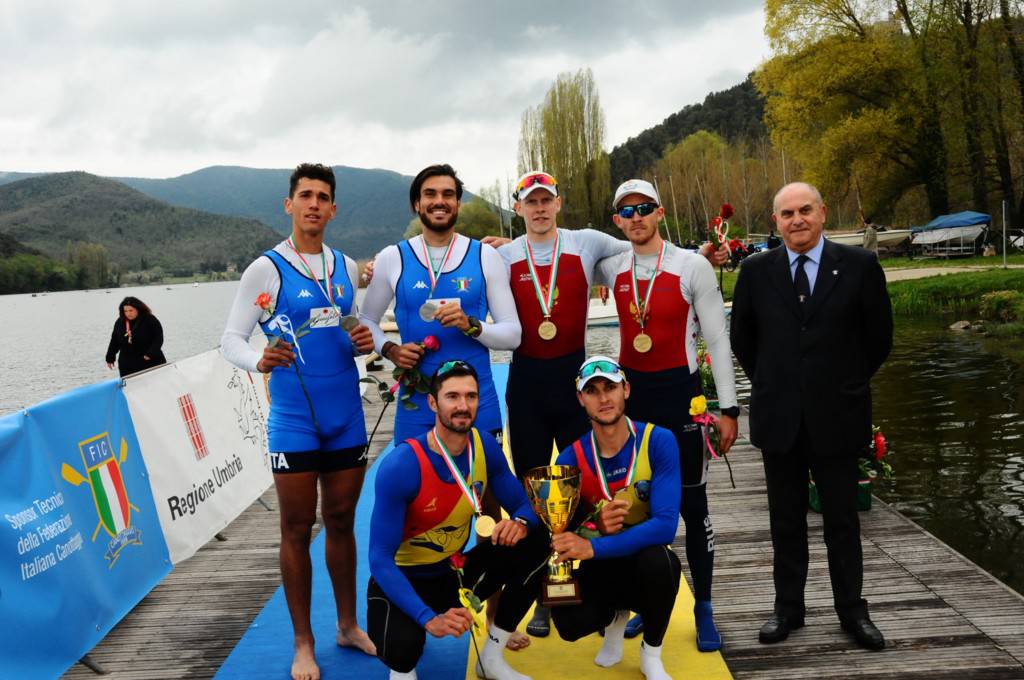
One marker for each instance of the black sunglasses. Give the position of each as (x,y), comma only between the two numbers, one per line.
(643,209)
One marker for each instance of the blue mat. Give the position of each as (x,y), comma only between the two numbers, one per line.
(265,651)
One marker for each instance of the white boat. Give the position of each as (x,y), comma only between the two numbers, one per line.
(886,239)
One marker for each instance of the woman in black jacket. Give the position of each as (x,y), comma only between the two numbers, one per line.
(136,340)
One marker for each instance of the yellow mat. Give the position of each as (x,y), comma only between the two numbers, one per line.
(553,658)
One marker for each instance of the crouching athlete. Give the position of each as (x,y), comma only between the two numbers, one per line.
(428,490)
(634,468)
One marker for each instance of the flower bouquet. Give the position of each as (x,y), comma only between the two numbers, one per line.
(872,465)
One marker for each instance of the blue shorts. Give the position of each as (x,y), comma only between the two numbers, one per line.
(336,405)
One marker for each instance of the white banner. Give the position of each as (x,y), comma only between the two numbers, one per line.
(202,429)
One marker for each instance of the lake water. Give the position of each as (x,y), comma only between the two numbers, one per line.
(951,405)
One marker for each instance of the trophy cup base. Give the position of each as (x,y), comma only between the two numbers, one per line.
(558,594)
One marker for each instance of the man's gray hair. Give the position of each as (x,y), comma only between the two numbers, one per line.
(813,189)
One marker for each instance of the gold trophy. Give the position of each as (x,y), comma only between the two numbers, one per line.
(554,492)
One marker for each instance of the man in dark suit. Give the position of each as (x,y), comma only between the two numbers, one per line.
(811,323)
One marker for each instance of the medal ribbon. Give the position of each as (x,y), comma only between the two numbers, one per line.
(128,331)
(309,270)
(435,274)
(643,309)
(468,492)
(545,304)
(602,480)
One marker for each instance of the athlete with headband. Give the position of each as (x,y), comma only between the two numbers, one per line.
(317,434)
(660,292)
(428,491)
(444,285)
(633,469)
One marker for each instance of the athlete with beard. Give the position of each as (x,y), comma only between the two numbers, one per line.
(444,285)
(429,488)
(665,296)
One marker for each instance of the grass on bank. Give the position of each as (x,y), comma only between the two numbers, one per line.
(1016,258)
(953,294)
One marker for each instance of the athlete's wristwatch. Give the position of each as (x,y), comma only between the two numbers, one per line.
(474,327)
(732,411)
(521,521)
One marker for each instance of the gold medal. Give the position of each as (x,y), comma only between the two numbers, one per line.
(643,343)
(484,526)
(547,329)
(624,495)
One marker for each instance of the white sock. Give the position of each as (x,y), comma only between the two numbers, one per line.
(395,675)
(650,663)
(492,657)
(614,639)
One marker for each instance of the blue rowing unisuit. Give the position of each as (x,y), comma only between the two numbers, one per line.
(466,282)
(328,366)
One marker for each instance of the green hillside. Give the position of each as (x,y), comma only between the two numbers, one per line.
(373,205)
(733,113)
(54,213)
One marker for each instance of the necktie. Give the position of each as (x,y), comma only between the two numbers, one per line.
(803,285)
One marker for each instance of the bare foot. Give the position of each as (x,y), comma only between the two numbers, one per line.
(355,637)
(518,641)
(304,664)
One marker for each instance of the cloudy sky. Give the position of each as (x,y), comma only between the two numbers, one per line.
(160,89)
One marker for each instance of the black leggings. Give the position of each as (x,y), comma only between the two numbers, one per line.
(542,408)
(645,583)
(400,639)
(663,398)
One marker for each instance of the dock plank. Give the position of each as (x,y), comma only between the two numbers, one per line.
(943,616)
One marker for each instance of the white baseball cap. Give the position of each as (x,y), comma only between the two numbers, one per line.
(636,186)
(533,180)
(598,367)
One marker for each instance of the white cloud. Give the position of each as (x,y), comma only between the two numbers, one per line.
(121,88)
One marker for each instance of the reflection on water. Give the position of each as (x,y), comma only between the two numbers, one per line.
(951,404)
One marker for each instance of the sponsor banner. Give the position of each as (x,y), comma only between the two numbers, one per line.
(203,425)
(80,542)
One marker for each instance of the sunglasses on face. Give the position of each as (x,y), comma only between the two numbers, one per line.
(593,367)
(626,212)
(539,178)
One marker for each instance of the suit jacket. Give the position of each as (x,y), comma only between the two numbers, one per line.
(812,365)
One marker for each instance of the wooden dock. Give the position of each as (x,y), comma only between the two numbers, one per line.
(943,617)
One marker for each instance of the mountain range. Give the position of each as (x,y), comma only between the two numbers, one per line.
(52,213)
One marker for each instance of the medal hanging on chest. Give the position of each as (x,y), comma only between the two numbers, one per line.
(428,308)
(483,522)
(547,330)
(128,331)
(327,292)
(642,342)
(602,481)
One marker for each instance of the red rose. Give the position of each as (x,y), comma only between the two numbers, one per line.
(458,560)
(716,222)
(726,212)
(879,446)
(431,343)
(590,525)
(707,359)
(263,301)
